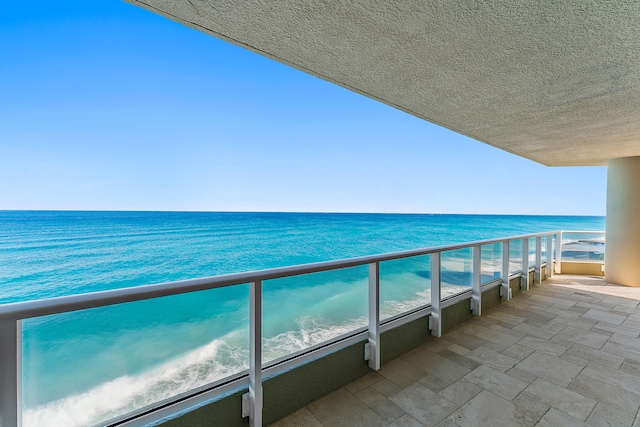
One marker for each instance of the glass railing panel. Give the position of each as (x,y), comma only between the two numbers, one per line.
(587,247)
(491,264)
(405,284)
(544,249)
(89,366)
(515,256)
(302,311)
(532,251)
(456,269)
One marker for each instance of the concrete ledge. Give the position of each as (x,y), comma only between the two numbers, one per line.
(580,267)
(515,284)
(456,314)
(491,298)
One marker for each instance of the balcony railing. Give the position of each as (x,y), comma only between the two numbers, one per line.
(463,270)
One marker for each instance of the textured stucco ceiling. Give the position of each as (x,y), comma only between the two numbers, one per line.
(557,82)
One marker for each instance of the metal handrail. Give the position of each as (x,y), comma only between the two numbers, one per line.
(45,307)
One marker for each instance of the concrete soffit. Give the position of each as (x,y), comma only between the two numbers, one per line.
(554,82)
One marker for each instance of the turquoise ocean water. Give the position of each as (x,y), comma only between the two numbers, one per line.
(85,367)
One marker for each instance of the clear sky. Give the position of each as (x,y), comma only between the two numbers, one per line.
(107,106)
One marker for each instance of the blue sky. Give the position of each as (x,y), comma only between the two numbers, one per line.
(108,106)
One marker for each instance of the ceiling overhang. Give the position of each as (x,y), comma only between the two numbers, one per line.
(557,82)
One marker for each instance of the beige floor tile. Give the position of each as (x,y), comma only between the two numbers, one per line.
(492,358)
(599,356)
(423,404)
(401,373)
(459,359)
(578,322)
(631,366)
(458,349)
(535,331)
(550,368)
(436,344)
(565,400)
(406,421)
(301,418)
(386,387)
(604,316)
(341,408)
(434,383)
(623,329)
(530,409)
(548,347)
(489,334)
(496,382)
(621,350)
(486,409)
(619,398)
(632,324)
(518,351)
(364,382)
(523,376)
(382,406)
(461,391)
(616,300)
(625,340)
(464,339)
(606,416)
(582,337)
(555,418)
(493,346)
(506,318)
(435,364)
(613,377)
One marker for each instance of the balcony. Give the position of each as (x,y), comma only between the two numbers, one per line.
(566,353)
(397,355)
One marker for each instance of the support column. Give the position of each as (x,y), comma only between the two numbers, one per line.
(622,253)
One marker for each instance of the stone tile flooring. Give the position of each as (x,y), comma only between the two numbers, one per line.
(566,353)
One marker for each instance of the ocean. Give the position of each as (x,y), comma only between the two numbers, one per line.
(85,367)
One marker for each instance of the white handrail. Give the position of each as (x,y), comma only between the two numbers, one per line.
(45,307)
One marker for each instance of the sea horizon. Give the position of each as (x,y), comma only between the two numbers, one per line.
(297,212)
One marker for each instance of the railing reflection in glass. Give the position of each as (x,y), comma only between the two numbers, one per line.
(532,252)
(515,256)
(405,284)
(305,310)
(456,269)
(491,264)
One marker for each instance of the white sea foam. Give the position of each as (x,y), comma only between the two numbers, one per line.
(198,367)
(214,361)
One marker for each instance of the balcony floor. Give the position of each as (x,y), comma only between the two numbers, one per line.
(566,353)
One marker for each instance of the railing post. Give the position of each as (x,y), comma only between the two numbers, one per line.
(10,373)
(436,296)
(477,281)
(252,401)
(505,290)
(374,316)
(550,256)
(524,284)
(537,276)
(559,253)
